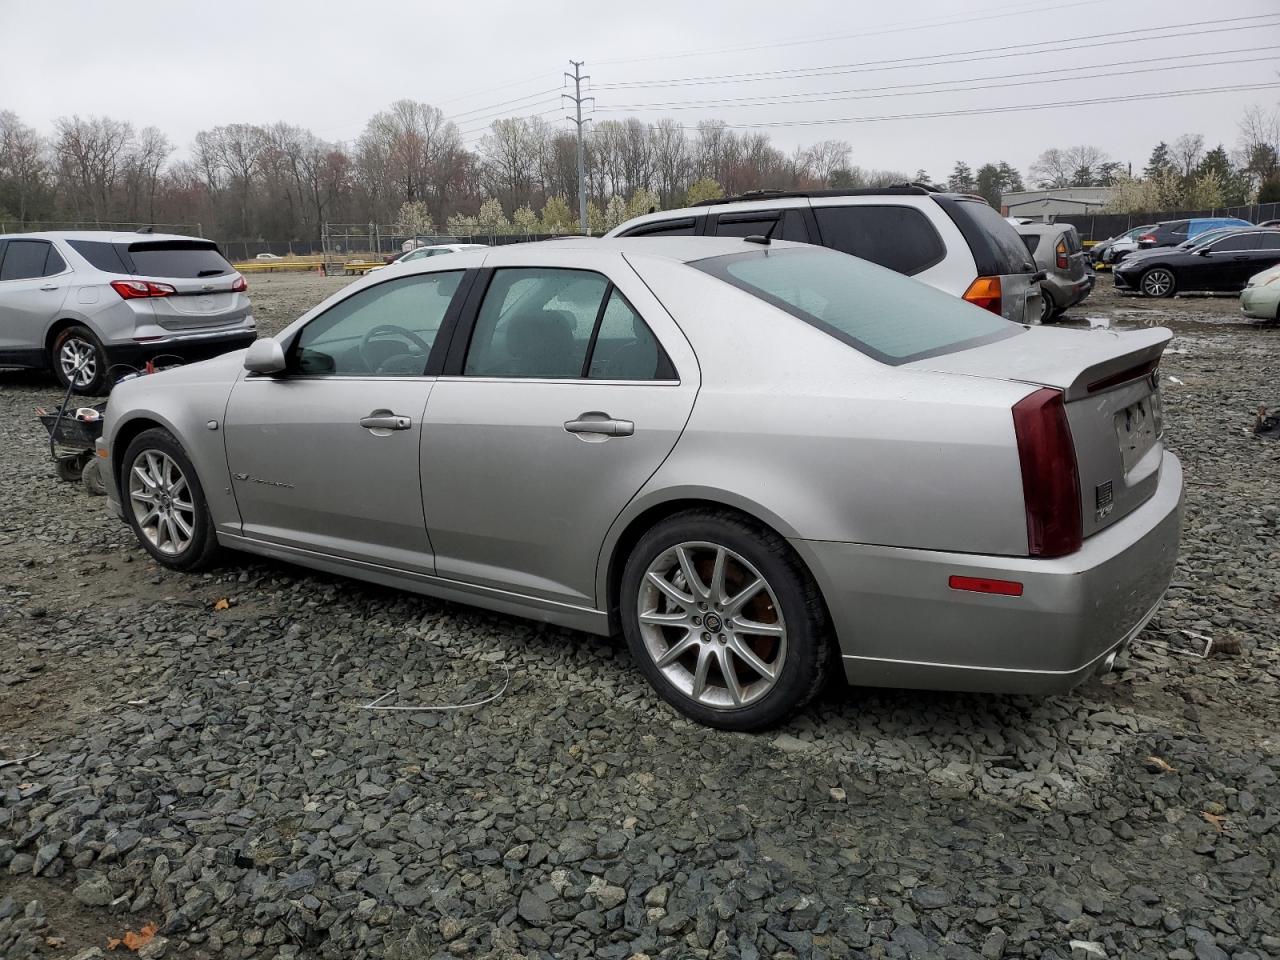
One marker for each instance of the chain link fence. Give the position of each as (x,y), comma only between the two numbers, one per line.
(1103,226)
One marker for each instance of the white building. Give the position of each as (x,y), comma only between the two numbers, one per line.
(1047,204)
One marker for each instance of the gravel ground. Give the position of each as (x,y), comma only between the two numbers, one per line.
(213,771)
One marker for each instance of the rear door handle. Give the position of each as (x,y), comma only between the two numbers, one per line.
(385,420)
(600,424)
(49,286)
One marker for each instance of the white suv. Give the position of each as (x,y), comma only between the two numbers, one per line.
(954,242)
(95,305)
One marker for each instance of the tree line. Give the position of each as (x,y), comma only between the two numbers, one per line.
(412,166)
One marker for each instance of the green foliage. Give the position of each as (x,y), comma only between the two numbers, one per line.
(706,189)
(415,217)
(642,201)
(461,225)
(993,180)
(557,218)
(1269,192)
(524,220)
(962,179)
(615,212)
(595,218)
(491,218)
(1160,162)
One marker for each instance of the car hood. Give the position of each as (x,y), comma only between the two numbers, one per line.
(1157,253)
(1266,276)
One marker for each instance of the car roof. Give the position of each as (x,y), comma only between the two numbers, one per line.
(680,249)
(102,236)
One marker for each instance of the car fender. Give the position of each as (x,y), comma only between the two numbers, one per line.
(190,402)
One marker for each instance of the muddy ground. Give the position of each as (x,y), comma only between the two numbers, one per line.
(212,770)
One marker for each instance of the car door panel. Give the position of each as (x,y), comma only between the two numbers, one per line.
(517,500)
(306,474)
(31,296)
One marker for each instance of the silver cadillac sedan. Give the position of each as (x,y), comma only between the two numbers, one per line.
(752,459)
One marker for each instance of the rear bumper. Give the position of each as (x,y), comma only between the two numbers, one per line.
(899,624)
(1067,293)
(184,349)
(1261,302)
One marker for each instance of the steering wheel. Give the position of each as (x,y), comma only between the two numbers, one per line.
(393,330)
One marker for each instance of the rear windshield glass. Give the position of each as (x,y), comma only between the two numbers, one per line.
(182,259)
(1011,253)
(876,311)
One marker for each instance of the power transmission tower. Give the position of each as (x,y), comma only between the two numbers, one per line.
(578,100)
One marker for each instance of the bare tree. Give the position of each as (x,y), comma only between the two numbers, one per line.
(825,158)
(23,164)
(91,155)
(1259,144)
(1188,151)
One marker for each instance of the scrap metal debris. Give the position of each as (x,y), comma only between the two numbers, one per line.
(1267,425)
(18,761)
(378,705)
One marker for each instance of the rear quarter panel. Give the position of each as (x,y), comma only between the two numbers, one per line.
(824,443)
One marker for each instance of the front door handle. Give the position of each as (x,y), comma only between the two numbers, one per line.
(385,420)
(49,286)
(599,424)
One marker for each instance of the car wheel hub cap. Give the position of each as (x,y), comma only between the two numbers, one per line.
(162,502)
(712,625)
(78,361)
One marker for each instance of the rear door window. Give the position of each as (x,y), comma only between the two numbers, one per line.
(25,259)
(178,259)
(1240,241)
(1032,241)
(887,317)
(898,237)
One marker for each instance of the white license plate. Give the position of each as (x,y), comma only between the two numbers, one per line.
(1138,427)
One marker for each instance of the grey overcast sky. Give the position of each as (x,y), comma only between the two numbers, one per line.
(328,65)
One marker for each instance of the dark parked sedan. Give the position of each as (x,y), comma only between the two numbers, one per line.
(1223,264)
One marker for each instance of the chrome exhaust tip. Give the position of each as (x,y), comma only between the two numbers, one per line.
(1108,663)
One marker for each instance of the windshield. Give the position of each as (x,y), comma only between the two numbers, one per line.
(874,310)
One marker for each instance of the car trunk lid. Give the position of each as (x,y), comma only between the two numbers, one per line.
(1111,386)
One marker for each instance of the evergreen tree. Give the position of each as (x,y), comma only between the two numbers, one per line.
(1160,163)
(961,179)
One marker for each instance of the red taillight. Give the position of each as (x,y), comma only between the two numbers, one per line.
(239,286)
(1147,238)
(985,293)
(1050,478)
(1001,588)
(1061,251)
(141,289)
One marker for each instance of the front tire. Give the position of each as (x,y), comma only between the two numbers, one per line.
(77,354)
(1157,282)
(724,621)
(1048,311)
(165,504)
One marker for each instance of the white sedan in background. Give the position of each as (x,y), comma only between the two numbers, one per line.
(1261,296)
(435,250)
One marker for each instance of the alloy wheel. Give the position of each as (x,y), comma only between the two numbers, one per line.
(162,503)
(712,625)
(1157,283)
(78,360)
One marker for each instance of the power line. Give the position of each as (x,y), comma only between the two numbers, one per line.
(946,87)
(975,111)
(478,134)
(921,24)
(501,86)
(501,103)
(962,56)
(482,123)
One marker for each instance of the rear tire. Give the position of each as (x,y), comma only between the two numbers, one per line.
(744,647)
(1048,312)
(165,504)
(77,352)
(1157,282)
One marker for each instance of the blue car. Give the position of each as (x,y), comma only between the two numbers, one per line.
(1173,232)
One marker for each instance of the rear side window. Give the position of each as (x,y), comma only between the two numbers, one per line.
(179,259)
(886,316)
(1240,241)
(900,238)
(1270,241)
(1072,240)
(1032,241)
(25,259)
(101,255)
(997,237)
(684,227)
(756,223)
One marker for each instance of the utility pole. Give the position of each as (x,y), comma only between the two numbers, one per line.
(578,99)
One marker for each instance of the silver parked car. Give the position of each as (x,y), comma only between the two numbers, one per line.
(754,460)
(94,305)
(1057,249)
